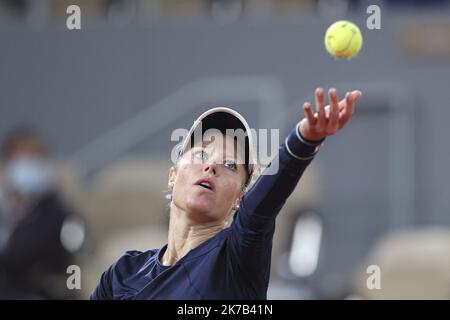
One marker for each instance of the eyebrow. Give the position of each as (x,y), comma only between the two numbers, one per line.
(234,155)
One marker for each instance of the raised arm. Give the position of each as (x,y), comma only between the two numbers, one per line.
(253,227)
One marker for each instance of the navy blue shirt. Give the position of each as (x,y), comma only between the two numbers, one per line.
(233,264)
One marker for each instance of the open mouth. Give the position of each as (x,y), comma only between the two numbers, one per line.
(206,184)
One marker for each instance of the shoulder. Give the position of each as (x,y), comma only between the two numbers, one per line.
(127,265)
(132,260)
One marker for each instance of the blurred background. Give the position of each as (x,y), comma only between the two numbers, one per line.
(86,118)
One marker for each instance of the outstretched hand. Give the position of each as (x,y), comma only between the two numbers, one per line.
(327,120)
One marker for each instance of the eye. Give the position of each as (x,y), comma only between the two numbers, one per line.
(201,155)
(230,165)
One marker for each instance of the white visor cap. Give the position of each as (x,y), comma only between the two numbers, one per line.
(222,119)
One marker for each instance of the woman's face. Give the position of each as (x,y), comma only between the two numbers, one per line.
(209,178)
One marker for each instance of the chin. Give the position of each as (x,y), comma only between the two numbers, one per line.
(201,210)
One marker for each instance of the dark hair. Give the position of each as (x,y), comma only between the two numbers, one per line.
(17,135)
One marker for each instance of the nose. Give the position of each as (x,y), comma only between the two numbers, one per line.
(210,166)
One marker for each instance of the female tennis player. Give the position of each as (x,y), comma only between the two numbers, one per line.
(220,235)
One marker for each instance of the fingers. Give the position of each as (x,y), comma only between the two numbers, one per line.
(309,114)
(349,108)
(346,111)
(320,105)
(356,94)
(331,118)
(332,126)
(343,103)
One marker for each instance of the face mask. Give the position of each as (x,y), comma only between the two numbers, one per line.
(28,176)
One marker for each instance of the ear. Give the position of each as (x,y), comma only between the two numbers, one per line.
(172,177)
(238,200)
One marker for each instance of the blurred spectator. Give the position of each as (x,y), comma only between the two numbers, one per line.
(17,6)
(33,260)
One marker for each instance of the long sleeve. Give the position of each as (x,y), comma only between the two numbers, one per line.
(254,223)
(103,290)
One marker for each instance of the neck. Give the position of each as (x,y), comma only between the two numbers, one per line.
(185,235)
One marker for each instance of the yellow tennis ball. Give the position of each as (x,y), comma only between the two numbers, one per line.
(343,39)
